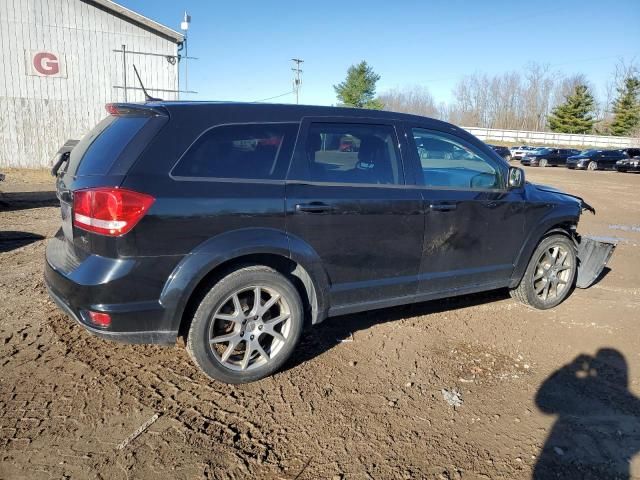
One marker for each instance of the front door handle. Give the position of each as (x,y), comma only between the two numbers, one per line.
(313,207)
(443,207)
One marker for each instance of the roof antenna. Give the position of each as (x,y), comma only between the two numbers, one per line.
(147,97)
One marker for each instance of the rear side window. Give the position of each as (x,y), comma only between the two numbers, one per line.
(96,153)
(353,153)
(252,151)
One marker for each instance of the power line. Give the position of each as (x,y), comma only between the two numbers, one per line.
(296,81)
(271,98)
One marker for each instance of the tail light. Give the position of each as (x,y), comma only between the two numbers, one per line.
(109,211)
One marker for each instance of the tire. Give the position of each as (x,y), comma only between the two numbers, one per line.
(593,165)
(228,312)
(543,162)
(545,272)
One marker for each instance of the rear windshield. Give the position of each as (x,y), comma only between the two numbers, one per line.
(96,153)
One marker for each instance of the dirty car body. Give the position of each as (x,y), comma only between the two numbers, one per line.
(162,202)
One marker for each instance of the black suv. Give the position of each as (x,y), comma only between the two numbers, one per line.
(236,224)
(596,160)
(548,157)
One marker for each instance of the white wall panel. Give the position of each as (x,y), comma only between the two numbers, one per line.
(38,114)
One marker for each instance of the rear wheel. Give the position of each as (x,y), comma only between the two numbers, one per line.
(247,326)
(550,274)
(592,165)
(543,162)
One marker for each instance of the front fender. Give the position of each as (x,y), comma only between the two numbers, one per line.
(557,219)
(195,266)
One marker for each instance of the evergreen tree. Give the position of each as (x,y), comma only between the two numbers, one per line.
(626,108)
(575,114)
(359,88)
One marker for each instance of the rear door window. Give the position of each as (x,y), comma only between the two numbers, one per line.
(97,152)
(251,151)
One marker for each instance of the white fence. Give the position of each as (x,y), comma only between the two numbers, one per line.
(551,138)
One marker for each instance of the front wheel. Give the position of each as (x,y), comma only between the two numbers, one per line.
(543,162)
(246,326)
(550,274)
(592,166)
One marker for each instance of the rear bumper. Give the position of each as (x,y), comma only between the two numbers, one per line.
(158,337)
(115,287)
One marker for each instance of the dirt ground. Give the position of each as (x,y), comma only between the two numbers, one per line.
(542,392)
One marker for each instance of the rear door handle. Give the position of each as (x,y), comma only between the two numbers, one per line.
(313,207)
(443,207)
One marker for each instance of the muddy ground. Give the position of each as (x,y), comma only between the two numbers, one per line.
(553,391)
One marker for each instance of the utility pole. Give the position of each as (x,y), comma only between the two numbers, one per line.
(296,81)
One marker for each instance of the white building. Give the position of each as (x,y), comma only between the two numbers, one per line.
(58,69)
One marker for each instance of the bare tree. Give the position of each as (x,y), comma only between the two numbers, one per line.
(415,99)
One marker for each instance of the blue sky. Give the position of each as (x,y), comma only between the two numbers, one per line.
(245,46)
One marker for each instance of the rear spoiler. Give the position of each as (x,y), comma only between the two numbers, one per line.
(135,110)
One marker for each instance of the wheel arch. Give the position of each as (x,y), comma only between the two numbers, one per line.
(217,257)
(565,225)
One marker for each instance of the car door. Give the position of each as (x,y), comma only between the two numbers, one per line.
(610,159)
(563,154)
(555,156)
(474,225)
(346,197)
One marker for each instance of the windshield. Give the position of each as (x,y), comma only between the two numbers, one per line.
(588,153)
(542,151)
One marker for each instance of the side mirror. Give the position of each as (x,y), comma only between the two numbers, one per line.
(516,177)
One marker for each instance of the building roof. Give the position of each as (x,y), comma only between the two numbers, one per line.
(137,19)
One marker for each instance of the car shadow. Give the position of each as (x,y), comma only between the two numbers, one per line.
(10,201)
(604,273)
(10,240)
(335,330)
(597,431)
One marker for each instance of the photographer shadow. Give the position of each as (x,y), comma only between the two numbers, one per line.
(597,432)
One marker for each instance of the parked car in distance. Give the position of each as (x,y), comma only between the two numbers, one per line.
(236,225)
(548,157)
(631,164)
(518,152)
(596,160)
(631,152)
(504,152)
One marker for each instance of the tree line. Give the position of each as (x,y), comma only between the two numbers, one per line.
(535,98)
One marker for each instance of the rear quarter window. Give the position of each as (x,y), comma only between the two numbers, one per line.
(97,152)
(250,151)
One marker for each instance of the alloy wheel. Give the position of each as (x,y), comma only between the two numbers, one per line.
(250,328)
(592,166)
(553,273)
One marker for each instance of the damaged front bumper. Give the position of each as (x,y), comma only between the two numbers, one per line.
(593,255)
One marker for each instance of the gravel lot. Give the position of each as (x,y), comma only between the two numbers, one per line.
(363,398)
